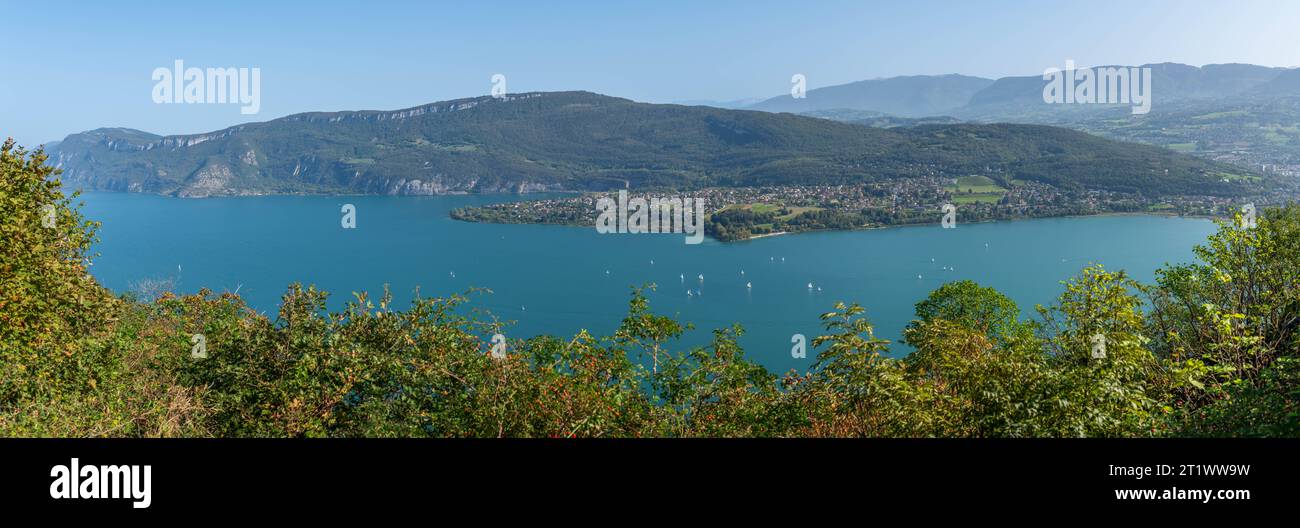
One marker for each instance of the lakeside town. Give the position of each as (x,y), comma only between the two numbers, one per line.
(1253,136)
(741,213)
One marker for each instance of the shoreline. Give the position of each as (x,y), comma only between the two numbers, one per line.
(1027,218)
(881,227)
(750,238)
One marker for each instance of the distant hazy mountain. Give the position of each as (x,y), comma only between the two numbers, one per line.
(1284,84)
(586,141)
(1009,97)
(914,96)
(1020,99)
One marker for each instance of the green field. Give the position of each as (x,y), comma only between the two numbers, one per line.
(976,184)
(763,208)
(977,198)
(976,189)
(796,211)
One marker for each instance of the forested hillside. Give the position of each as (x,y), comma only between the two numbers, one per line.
(585,141)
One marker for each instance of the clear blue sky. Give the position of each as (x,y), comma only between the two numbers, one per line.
(72,66)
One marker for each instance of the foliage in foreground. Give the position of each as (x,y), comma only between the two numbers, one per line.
(1209,349)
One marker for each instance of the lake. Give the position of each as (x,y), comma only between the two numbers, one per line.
(558,280)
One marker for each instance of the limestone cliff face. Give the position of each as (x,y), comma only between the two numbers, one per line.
(304,153)
(431,186)
(212,180)
(442,185)
(221,178)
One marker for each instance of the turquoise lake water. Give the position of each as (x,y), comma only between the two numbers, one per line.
(558,280)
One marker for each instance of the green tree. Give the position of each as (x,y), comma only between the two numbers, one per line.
(52,312)
(1229,326)
(981,358)
(1116,392)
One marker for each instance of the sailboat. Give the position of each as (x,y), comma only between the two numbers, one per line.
(810,285)
(701,277)
(749,285)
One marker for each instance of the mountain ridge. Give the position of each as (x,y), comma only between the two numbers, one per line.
(581,141)
(902,96)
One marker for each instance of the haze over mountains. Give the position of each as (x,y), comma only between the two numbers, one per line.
(978,98)
(579,141)
(913,96)
(1241,114)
